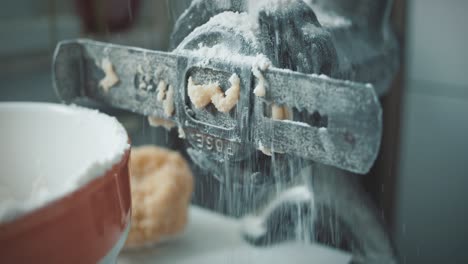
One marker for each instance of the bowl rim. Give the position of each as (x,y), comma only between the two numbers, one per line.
(65,109)
(19,233)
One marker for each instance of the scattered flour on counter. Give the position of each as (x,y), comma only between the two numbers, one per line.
(110,79)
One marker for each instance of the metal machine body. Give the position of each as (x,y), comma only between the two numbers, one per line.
(330,60)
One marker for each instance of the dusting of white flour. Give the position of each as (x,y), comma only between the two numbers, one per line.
(241,23)
(325,17)
(264,150)
(61,148)
(254,6)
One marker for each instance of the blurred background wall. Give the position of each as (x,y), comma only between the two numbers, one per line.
(431,212)
(30,30)
(430,208)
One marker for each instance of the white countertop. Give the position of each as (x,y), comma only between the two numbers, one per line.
(214,238)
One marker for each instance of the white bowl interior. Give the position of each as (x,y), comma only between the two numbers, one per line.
(48,150)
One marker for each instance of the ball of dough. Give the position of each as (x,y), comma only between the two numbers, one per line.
(161,188)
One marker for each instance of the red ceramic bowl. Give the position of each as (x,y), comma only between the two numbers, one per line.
(64,185)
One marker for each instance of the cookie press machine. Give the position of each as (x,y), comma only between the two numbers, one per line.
(304,121)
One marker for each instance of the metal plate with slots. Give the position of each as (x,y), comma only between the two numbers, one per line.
(349,139)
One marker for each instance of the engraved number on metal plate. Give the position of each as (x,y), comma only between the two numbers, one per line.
(212,144)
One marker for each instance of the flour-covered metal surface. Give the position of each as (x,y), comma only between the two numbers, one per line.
(310,73)
(349,139)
